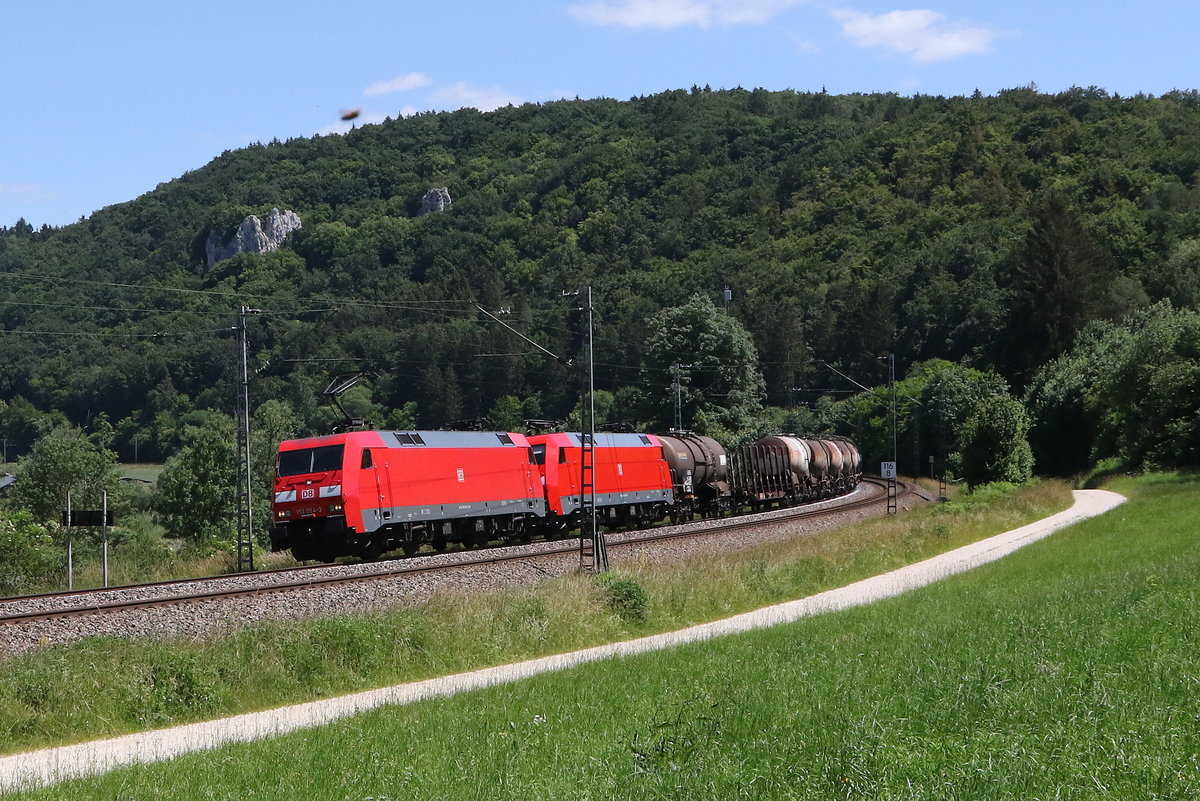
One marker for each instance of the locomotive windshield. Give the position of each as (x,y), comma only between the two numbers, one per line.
(310,460)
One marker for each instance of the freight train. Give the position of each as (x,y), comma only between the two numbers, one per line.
(366,493)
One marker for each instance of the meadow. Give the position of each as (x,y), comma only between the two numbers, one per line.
(106,686)
(1067,670)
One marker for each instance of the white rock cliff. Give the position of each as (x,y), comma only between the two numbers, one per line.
(252,236)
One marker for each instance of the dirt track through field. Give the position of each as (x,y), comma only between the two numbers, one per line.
(55,764)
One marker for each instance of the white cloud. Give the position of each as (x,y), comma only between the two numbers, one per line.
(805,46)
(677,13)
(402,83)
(29,191)
(487,99)
(925,35)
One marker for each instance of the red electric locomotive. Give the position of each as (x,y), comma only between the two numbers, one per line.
(631,478)
(363,493)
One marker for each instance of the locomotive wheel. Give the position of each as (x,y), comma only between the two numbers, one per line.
(305,554)
(372,550)
(410,547)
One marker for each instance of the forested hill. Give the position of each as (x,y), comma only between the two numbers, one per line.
(983,230)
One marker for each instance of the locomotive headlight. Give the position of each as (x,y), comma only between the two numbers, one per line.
(335,507)
(282,514)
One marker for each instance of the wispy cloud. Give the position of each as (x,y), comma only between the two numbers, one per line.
(27,191)
(925,35)
(482,98)
(402,83)
(679,13)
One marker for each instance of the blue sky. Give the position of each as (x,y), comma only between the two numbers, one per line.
(102,102)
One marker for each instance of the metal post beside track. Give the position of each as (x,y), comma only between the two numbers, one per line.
(892,496)
(245,517)
(593,550)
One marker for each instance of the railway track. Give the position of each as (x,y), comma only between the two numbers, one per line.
(63,605)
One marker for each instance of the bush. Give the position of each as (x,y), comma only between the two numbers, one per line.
(995,443)
(624,597)
(29,559)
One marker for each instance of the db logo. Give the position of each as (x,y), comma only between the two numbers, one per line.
(308,494)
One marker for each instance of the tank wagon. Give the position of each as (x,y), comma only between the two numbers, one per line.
(364,493)
(699,469)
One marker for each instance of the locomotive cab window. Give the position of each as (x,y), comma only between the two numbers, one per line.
(537,454)
(366,459)
(310,460)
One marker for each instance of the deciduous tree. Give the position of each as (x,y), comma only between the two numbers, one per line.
(721,377)
(65,461)
(197,491)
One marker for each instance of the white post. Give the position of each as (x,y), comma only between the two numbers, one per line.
(104,534)
(70,550)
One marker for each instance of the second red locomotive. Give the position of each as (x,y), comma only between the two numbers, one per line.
(632,481)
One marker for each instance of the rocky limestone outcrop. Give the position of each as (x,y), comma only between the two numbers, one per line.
(435,200)
(252,236)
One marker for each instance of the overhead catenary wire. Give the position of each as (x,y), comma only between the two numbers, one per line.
(117,334)
(447,309)
(274,299)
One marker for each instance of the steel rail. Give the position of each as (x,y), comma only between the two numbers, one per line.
(722,525)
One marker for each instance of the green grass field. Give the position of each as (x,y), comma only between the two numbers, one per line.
(103,687)
(1068,670)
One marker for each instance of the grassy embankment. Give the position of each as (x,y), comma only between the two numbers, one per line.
(1067,670)
(85,690)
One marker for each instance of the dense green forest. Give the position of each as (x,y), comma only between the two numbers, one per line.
(1031,260)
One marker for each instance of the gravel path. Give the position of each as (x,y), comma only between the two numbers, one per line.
(55,764)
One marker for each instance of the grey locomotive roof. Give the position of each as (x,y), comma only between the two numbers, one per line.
(607,440)
(447,439)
